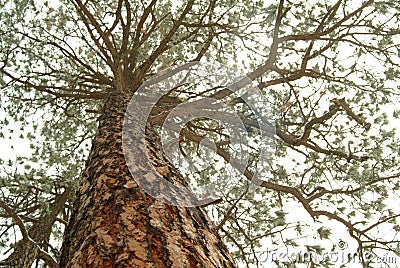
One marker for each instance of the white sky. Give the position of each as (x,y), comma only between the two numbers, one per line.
(18,145)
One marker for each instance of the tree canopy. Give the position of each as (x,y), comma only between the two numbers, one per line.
(329,71)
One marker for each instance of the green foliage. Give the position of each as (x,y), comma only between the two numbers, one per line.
(58,64)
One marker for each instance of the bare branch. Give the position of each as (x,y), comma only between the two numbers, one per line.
(17,220)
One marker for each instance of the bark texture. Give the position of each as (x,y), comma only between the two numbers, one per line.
(116,224)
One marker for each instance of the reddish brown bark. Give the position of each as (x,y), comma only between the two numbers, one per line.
(116,224)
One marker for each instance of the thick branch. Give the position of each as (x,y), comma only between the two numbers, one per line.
(17,220)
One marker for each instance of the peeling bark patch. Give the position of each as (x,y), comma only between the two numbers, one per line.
(103,238)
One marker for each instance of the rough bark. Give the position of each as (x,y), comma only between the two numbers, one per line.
(116,224)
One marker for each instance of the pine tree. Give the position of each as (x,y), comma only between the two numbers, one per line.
(328,72)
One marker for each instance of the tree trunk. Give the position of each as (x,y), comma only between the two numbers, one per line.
(26,253)
(116,224)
